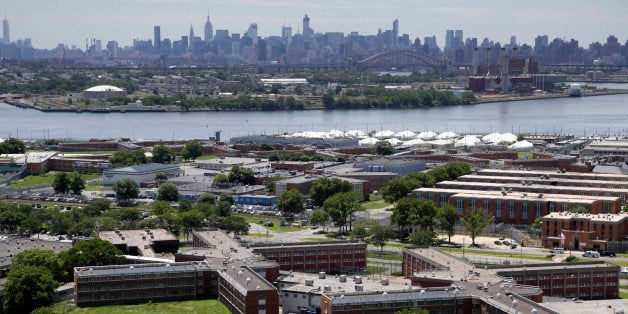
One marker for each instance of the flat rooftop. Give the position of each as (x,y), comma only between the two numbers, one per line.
(298,282)
(9,246)
(497,186)
(593,217)
(538,180)
(142,239)
(538,173)
(587,307)
(563,198)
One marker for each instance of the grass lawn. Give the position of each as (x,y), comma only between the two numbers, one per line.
(275,228)
(374,205)
(622,264)
(623,295)
(46,178)
(207,157)
(386,256)
(375,269)
(183,307)
(513,254)
(317,239)
(260,235)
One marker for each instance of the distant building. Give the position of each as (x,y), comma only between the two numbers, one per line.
(157,39)
(139,174)
(6,38)
(104,92)
(399,166)
(208,31)
(583,231)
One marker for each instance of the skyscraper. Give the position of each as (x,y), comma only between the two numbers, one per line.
(252,33)
(209,30)
(6,39)
(286,34)
(157,39)
(191,38)
(458,39)
(449,38)
(395,33)
(307,31)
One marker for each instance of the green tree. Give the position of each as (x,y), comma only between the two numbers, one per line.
(447,218)
(341,208)
(77,183)
(270,182)
(457,169)
(161,177)
(168,192)
(235,224)
(192,150)
(61,183)
(162,154)
(422,213)
(220,179)
(323,188)
(207,198)
(395,190)
(44,258)
(328,101)
(383,148)
(421,237)
(577,209)
(266,147)
(126,189)
(191,219)
(319,217)
(102,203)
(379,235)
(468,98)
(359,233)
(12,146)
(241,175)
(475,222)
(95,252)
(290,203)
(27,288)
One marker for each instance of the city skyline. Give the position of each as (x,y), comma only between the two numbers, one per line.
(55,23)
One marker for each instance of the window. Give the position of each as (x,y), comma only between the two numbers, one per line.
(459,208)
(473,203)
(443,199)
(551,207)
(606,208)
(538,210)
(524,211)
(430,197)
(511,209)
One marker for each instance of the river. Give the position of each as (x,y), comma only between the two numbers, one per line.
(578,116)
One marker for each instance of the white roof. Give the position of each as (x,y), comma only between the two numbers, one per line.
(394,141)
(414,142)
(439,142)
(384,134)
(426,135)
(104,88)
(356,133)
(468,141)
(405,135)
(446,135)
(336,133)
(521,145)
(369,141)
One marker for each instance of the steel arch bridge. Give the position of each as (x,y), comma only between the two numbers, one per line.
(392,58)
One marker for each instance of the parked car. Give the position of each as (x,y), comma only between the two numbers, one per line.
(558,250)
(497,242)
(506,242)
(502,238)
(513,245)
(593,254)
(313,226)
(608,253)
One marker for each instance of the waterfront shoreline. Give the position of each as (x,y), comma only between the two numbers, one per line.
(482,99)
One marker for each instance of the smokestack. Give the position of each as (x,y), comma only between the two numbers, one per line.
(514,52)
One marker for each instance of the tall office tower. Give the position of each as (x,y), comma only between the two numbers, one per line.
(458,39)
(112,46)
(98,45)
(209,30)
(395,33)
(6,39)
(157,39)
(513,40)
(252,33)
(286,34)
(307,31)
(449,38)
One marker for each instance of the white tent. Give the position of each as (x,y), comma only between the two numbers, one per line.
(494,137)
(405,135)
(384,134)
(414,142)
(439,142)
(335,133)
(468,141)
(446,135)
(509,137)
(369,141)
(521,145)
(356,133)
(394,141)
(428,135)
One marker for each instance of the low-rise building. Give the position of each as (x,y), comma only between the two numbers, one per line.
(139,173)
(583,231)
(146,243)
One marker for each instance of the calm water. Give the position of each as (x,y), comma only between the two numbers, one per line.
(580,116)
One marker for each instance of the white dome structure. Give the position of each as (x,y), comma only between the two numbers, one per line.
(414,142)
(446,135)
(521,145)
(335,133)
(509,137)
(369,141)
(356,133)
(492,138)
(440,142)
(104,92)
(468,141)
(427,135)
(405,135)
(384,134)
(394,141)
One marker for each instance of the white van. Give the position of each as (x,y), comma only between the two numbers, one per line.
(558,250)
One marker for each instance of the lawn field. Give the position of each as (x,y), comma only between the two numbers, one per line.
(47,178)
(183,307)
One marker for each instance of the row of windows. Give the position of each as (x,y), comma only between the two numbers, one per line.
(136,295)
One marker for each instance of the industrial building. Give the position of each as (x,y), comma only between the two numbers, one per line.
(139,173)
(583,231)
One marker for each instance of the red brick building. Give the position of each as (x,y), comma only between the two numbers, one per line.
(583,231)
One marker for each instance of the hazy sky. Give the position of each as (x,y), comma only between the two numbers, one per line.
(49,22)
